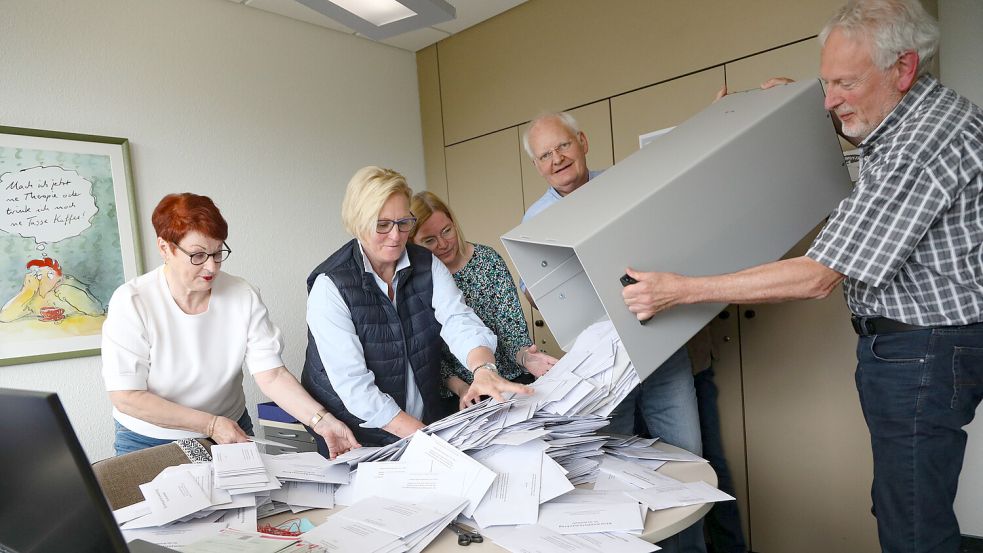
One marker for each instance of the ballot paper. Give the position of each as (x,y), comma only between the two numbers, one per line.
(613,542)
(204,476)
(655,453)
(400,518)
(307,466)
(341,535)
(383,525)
(170,497)
(128,513)
(239,468)
(573,518)
(305,494)
(678,495)
(429,454)
(535,538)
(633,473)
(243,518)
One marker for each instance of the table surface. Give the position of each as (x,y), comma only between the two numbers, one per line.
(659,525)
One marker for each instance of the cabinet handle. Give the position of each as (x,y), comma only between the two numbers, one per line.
(724,315)
(539,323)
(749,314)
(726,338)
(284,435)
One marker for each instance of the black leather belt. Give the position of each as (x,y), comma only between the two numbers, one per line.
(867,326)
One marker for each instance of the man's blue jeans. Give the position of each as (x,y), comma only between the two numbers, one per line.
(128,441)
(918,389)
(723,522)
(666,401)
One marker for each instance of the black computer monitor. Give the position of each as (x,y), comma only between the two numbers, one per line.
(49,497)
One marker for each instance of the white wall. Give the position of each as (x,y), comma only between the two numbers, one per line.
(268,116)
(961,67)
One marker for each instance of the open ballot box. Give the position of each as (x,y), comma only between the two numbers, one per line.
(736,185)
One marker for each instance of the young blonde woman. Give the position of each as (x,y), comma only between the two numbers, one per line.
(484,279)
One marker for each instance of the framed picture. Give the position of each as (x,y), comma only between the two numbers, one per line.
(67,240)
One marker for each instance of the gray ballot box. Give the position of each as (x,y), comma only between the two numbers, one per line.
(736,185)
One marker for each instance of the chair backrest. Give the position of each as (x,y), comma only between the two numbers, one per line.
(120,477)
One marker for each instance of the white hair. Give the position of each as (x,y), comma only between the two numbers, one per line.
(563,117)
(893,26)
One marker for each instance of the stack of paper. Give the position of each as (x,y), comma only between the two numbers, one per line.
(651,488)
(239,468)
(592,378)
(386,525)
(510,466)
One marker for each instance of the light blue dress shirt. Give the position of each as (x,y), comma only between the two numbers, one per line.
(330,322)
(546,200)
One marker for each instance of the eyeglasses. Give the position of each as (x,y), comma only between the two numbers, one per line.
(447,235)
(385,226)
(560,149)
(199,258)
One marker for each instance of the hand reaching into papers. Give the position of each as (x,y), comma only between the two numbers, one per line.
(225,431)
(337,435)
(487,383)
(654,292)
(537,362)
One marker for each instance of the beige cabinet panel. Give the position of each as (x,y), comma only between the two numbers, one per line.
(660,106)
(730,402)
(554,54)
(809,460)
(431,123)
(797,61)
(595,122)
(484,188)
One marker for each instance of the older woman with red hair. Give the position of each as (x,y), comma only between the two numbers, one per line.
(176,339)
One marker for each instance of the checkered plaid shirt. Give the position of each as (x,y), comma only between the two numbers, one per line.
(909,238)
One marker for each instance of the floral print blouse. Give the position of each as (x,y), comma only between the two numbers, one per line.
(489,290)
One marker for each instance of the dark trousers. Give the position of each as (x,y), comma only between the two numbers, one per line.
(723,522)
(918,389)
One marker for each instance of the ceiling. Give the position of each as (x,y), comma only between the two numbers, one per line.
(469,13)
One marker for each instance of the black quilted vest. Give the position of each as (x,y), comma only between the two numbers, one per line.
(389,336)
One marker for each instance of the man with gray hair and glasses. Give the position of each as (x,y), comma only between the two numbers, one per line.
(666,400)
(908,246)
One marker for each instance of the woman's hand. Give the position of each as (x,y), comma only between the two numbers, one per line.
(459,388)
(336,434)
(223,430)
(536,362)
(490,383)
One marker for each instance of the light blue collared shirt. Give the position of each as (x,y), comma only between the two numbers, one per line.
(546,200)
(330,322)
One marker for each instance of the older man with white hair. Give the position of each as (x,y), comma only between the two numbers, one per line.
(666,400)
(908,246)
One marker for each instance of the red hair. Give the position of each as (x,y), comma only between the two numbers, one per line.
(46,262)
(178,214)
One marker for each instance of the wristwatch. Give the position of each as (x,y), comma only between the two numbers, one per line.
(488,366)
(317,417)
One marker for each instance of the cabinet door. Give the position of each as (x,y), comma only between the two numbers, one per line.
(809,460)
(660,106)
(725,330)
(484,188)
(595,122)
